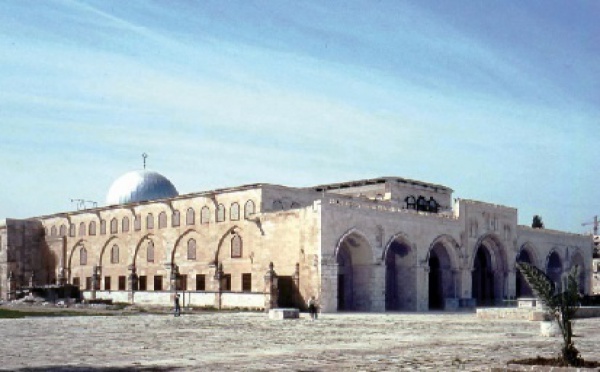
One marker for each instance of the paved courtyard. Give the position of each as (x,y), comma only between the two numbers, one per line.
(251,341)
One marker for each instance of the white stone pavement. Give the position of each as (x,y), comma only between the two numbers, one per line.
(252,341)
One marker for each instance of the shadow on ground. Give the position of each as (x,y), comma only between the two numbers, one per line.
(96,369)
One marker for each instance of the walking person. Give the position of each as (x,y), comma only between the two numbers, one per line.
(312,308)
(177,306)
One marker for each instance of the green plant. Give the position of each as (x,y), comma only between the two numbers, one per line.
(560,305)
(537,222)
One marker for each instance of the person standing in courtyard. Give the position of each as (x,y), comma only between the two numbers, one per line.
(312,308)
(177,306)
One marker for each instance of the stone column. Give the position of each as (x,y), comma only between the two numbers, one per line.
(11,289)
(378,287)
(218,285)
(466,288)
(422,270)
(132,283)
(61,277)
(271,288)
(95,281)
(297,298)
(500,288)
(32,279)
(328,300)
(172,274)
(510,290)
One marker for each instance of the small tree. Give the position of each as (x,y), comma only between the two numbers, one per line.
(560,306)
(537,222)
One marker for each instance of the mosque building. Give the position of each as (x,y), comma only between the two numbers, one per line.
(382,244)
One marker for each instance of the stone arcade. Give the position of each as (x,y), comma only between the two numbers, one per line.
(384,244)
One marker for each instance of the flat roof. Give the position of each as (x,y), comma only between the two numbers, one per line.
(379,180)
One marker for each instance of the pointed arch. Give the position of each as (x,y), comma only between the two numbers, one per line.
(400,258)
(187,233)
(443,278)
(527,253)
(81,243)
(228,233)
(493,243)
(489,266)
(451,246)
(554,267)
(364,258)
(103,249)
(143,239)
(530,250)
(577,259)
(354,257)
(400,237)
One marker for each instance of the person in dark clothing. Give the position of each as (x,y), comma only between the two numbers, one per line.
(177,306)
(312,308)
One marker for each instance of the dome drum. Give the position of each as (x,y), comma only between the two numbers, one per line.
(138,186)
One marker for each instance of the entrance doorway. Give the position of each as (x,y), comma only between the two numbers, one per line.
(483,278)
(522,287)
(354,262)
(286,291)
(399,275)
(435,283)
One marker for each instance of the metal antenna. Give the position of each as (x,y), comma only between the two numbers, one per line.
(144,155)
(595,223)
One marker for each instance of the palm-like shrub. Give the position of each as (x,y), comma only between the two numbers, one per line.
(561,305)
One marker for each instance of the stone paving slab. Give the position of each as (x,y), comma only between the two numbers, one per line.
(253,342)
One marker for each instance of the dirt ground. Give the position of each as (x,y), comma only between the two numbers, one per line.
(219,341)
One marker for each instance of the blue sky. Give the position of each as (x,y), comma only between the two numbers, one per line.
(499,100)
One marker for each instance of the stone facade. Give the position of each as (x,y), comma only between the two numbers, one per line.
(370,245)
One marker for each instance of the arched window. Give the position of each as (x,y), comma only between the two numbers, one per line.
(433,205)
(189,216)
(63,230)
(249,209)
(102,227)
(421,204)
(72,230)
(220,213)
(205,215)
(114,254)
(236,246)
(125,224)
(149,221)
(83,256)
(162,220)
(277,205)
(53,231)
(114,226)
(137,222)
(234,212)
(411,202)
(150,251)
(92,228)
(176,218)
(82,229)
(191,249)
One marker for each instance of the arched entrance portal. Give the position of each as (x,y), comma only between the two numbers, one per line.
(577,260)
(522,287)
(554,269)
(400,279)
(354,259)
(441,278)
(436,294)
(489,272)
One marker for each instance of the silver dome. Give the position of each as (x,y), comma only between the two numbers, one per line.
(140,186)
